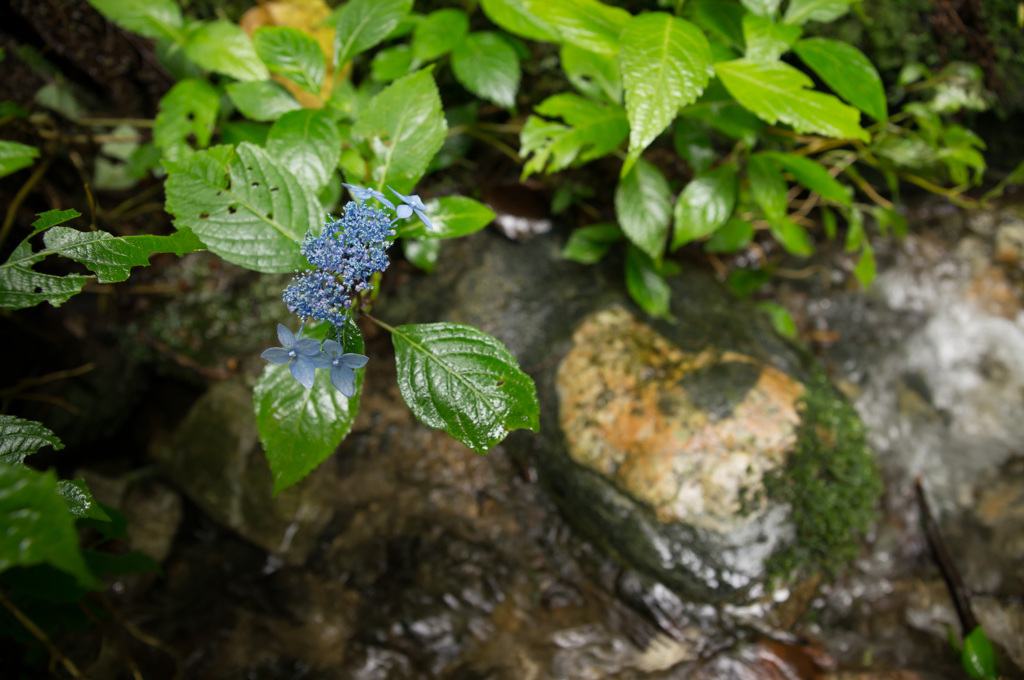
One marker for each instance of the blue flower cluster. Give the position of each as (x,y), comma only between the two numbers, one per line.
(344,256)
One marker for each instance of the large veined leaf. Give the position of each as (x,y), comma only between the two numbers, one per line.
(593,130)
(223,47)
(487,66)
(451,216)
(587,245)
(37,527)
(665,63)
(723,20)
(300,428)
(110,258)
(262,100)
(15,156)
(308,143)
(245,206)
(361,24)
(405,127)
(187,112)
(705,204)
(439,33)
(645,283)
(152,18)
(762,8)
(767,40)
(792,236)
(517,17)
(802,11)
(847,71)
(20,438)
(643,208)
(292,53)
(767,186)
(720,110)
(588,24)
(595,75)
(776,91)
(459,379)
(812,175)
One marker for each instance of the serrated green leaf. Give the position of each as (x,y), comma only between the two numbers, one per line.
(308,144)
(717,108)
(792,236)
(234,132)
(767,186)
(459,379)
(518,18)
(38,529)
(300,428)
(589,244)
(767,40)
(812,175)
(802,11)
(782,320)
(262,100)
(15,156)
(188,111)
(422,252)
(223,47)
(705,204)
(978,657)
(776,91)
(588,24)
(643,208)
(665,64)
(292,53)
(595,75)
(390,63)
(486,65)
(361,24)
(79,500)
(593,130)
(439,33)
(762,8)
(22,287)
(52,218)
(722,19)
(20,438)
(404,126)
(732,236)
(152,19)
(245,206)
(847,71)
(452,216)
(645,285)
(865,267)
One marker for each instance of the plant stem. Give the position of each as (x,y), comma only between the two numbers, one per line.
(19,197)
(38,634)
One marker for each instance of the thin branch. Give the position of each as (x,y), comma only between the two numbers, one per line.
(19,198)
(38,634)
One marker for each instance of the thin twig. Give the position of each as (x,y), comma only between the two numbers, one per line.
(38,634)
(49,377)
(114,122)
(19,198)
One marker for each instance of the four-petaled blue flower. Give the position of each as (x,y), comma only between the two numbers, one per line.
(342,375)
(413,204)
(366,194)
(302,356)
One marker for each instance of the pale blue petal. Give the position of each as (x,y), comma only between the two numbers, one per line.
(382,198)
(416,202)
(307,346)
(353,360)
(403,211)
(333,348)
(426,220)
(322,360)
(344,379)
(276,355)
(285,335)
(358,192)
(303,370)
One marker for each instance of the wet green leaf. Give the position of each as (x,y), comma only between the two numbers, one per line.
(390,63)
(589,244)
(517,17)
(847,71)
(223,47)
(802,11)
(792,236)
(732,236)
(643,207)
(767,186)
(15,156)
(486,65)
(595,75)
(588,24)
(745,282)
(452,216)
(439,33)
(79,500)
(692,143)
(767,40)
(308,144)
(782,320)
(865,268)
(422,252)
(187,112)
(705,204)
(152,18)
(592,130)
(762,8)
(20,438)
(292,53)
(645,283)
(812,175)
(722,19)
(361,24)
(978,657)
(262,100)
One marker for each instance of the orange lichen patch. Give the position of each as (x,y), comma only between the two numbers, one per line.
(626,414)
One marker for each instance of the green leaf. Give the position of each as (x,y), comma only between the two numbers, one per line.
(802,11)
(812,175)
(404,126)
(38,529)
(422,252)
(978,657)
(244,205)
(665,65)
(20,438)
(792,236)
(643,208)
(461,380)
(645,285)
(588,245)
(187,111)
(517,17)
(152,19)
(745,282)
(595,75)
(691,143)
(588,24)
(439,33)
(223,47)
(782,320)
(300,428)
(308,144)
(847,71)
(234,132)
(732,236)
(767,40)
(452,216)
(593,130)
(767,186)
(705,204)
(762,8)
(828,222)
(79,500)
(15,156)
(262,100)
(487,66)
(361,24)
(292,53)
(775,91)
(717,108)
(391,63)
(722,19)
(865,268)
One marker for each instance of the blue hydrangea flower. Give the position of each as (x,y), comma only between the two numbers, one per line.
(342,374)
(302,356)
(412,204)
(366,194)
